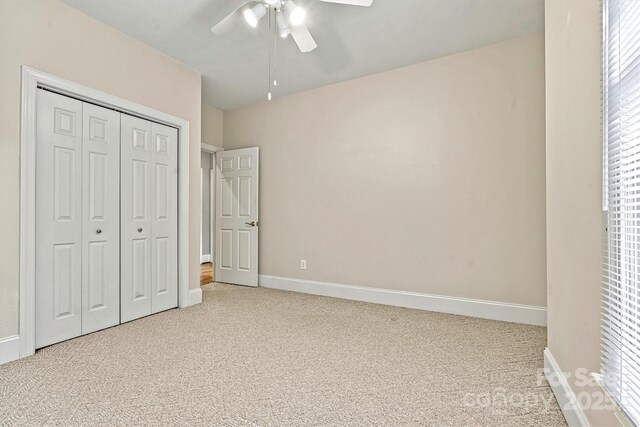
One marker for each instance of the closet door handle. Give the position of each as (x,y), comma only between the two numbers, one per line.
(139,230)
(98,231)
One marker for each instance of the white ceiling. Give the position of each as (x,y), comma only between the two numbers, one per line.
(352,41)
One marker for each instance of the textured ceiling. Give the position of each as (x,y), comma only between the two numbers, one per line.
(352,41)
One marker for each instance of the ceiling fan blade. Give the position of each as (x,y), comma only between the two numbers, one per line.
(230,21)
(365,3)
(303,38)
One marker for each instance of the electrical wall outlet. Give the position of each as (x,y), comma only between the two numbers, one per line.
(303,264)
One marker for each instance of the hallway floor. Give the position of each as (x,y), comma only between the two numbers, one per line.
(206,273)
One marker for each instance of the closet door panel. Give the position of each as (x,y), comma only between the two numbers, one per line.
(58,218)
(137,187)
(101,218)
(164,210)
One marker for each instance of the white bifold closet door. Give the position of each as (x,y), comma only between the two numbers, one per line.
(149,234)
(77,218)
(101,218)
(106,218)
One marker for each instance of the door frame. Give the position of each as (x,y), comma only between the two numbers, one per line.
(210,149)
(32,79)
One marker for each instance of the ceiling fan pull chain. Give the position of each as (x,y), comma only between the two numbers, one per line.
(275,49)
(270,31)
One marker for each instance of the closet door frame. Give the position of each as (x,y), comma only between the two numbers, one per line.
(32,79)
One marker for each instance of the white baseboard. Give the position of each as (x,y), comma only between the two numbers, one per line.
(205,258)
(564,394)
(194,297)
(530,315)
(9,349)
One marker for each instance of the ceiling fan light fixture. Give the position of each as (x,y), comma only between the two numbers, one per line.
(283,26)
(254,14)
(297,14)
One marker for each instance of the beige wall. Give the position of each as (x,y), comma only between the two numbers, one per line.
(428,178)
(52,37)
(574,186)
(211,125)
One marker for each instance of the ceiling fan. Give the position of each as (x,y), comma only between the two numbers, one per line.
(289,19)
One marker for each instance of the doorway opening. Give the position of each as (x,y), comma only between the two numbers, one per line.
(207,221)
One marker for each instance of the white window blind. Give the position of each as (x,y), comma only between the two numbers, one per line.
(621,272)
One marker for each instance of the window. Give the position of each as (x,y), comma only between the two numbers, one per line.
(621,270)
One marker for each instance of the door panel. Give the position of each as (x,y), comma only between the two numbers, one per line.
(58,218)
(140,269)
(135,234)
(244,197)
(162,191)
(64,280)
(98,285)
(162,266)
(164,243)
(226,253)
(226,197)
(101,218)
(237,216)
(64,179)
(244,250)
(97,183)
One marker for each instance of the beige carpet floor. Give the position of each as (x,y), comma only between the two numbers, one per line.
(260,357)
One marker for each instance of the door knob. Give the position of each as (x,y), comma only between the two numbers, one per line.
(139,230)
(252,223)
(98,231)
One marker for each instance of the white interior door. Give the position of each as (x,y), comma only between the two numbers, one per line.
(237,216)
(58,218)
(164,215)
(149,215)
(101,218)
(136,188)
